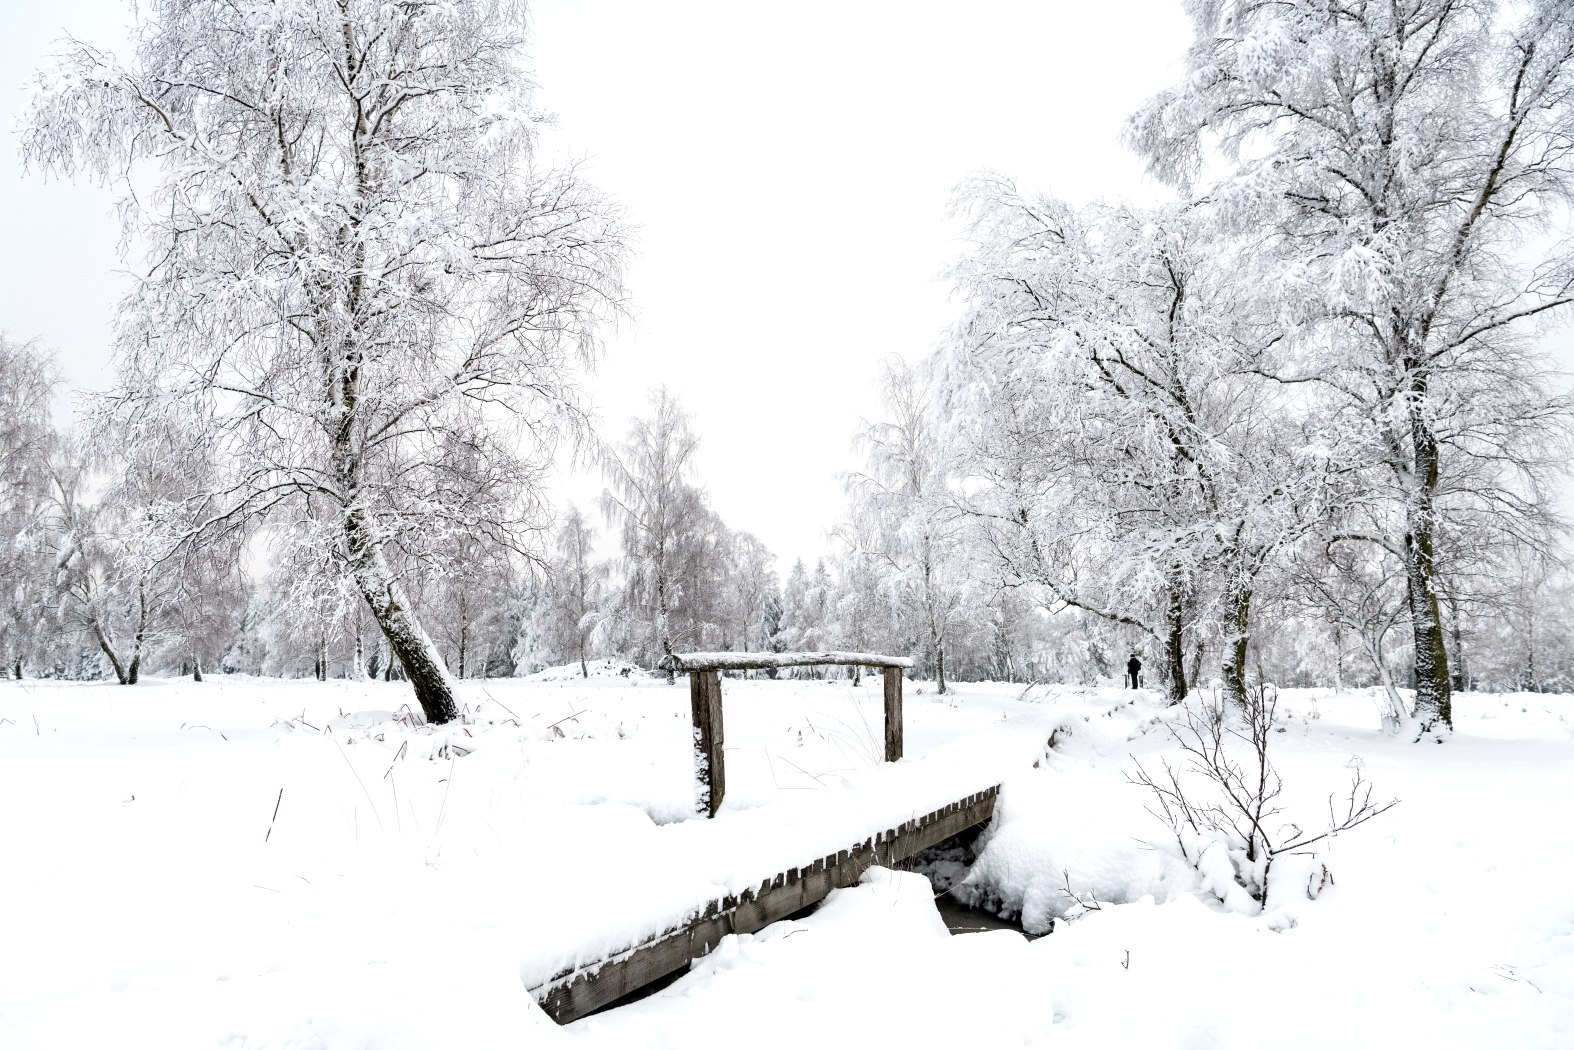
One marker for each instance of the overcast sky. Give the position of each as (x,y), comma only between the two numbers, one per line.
(788,168)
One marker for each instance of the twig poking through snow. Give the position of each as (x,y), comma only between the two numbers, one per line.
(275,816)
(448,782)
(499,703)
(397,756)
(1091,903)
(574,717)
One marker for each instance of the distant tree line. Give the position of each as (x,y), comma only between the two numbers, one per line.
(97,583)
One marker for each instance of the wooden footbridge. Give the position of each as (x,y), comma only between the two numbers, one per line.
(583,989)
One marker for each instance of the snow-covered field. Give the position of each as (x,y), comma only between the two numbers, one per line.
(254,863)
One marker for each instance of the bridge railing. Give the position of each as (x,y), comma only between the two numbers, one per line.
(704,671)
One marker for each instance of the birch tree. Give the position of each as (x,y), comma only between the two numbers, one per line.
(905,513)
(1406,162)
(860,609)
(356,264)
(117,527)
(579,581)
(651,499)
(27,443)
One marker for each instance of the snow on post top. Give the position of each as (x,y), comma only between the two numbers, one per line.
(684,662)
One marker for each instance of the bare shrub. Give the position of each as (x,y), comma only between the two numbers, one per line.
(1221,801)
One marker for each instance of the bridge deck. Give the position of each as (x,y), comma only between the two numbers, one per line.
(583,989)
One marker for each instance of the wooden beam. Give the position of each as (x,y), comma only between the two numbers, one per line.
(893,714)
(582,990)
(710,770)
(690,662)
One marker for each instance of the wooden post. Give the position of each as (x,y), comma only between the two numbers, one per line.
(893,714)
(711,771)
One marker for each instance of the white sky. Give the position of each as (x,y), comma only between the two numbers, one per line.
(789,168)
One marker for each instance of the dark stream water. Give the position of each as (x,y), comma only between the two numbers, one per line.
(947,864)
(959,918)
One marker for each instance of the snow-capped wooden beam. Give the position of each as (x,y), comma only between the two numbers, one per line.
(690,662)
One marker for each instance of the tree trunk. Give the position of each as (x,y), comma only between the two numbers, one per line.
(434,690)
(936,635)
(109,652)
(663,622)
(1338,659)
(1395,714)
(1458,683)
(1174,648)
(1237,636)
(196,667)
(584,668)
(1434,699)
(1194,665)
(16,669)
(134,671)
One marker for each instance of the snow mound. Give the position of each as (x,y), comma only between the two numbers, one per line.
(597,669)
(1060,844)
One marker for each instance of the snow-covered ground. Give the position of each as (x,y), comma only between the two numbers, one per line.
(254,863)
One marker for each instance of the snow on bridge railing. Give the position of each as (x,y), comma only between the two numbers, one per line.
(704,671)
(690,662)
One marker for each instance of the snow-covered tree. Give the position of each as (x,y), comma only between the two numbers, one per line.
(751,589)
(802,622)
(533,644)
(578,588)
(468,599)
(859,607)
(27,443)
(356,264)
(903,508)
(120,514)
(1402,162)
(311,602)
(653,503)
(208,604)
(1123,445)
(701,617)
(1362,598)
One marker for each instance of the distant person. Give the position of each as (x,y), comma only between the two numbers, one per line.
(1134,671)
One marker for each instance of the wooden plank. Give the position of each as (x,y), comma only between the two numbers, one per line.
(893,714)
(580,991)
(710,770)
(689,662)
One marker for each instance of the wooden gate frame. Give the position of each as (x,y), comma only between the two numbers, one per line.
(704,671)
